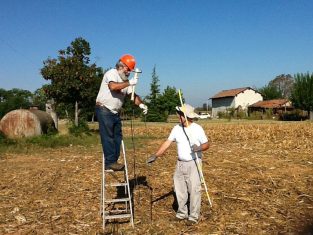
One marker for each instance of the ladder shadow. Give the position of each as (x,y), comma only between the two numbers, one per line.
(139,180)
(133,183)
(142,181)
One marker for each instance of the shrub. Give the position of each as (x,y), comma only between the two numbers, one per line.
(292,116)
(255,115)
(79,130)
(241,114)
(156,116)
(269,113)
(5,141)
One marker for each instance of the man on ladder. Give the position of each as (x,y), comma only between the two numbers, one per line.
(114,87)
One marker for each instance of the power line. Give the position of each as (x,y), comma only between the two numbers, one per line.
(26,58)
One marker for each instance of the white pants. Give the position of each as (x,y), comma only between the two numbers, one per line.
(187,181)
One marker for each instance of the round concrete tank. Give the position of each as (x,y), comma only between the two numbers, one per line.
(26,123)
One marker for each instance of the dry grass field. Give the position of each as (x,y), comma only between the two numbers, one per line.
(259,175)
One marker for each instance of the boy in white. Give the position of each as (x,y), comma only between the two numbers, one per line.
(191,141)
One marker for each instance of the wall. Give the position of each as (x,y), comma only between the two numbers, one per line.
(247,98)
(221,104)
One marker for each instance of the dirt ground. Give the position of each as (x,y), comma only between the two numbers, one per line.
(259,177)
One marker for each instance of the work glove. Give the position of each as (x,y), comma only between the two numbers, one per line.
(196,148)
(144,108)
(151,159)
(129,90)
(133,81)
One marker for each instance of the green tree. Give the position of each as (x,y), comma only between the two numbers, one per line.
(129,109)
(154,87)
(169,100)
(73,81)
(40,98)
(302,93)
(155,113)
(160,104)
(270,92)
(14,99)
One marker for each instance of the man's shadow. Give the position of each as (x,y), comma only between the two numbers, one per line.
(169,194)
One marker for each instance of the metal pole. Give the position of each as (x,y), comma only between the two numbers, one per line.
(102,193)
(197,158)
(133,142)
(151,206)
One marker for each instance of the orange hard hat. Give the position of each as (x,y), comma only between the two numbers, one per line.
(129,61)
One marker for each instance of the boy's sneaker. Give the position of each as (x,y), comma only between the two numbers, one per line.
(191,222)
(115,167)
(177,219)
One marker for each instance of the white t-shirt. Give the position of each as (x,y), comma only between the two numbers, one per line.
(196,136)
(113,100)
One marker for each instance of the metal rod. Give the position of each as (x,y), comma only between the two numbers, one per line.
(133,143)
(136,75)
(133,94)
(103,193)
(151,206)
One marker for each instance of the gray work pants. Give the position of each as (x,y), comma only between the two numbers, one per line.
(187,181)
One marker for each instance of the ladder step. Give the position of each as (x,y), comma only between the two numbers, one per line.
(116,184)
(116,200)
(115,212)
(121,216)
(111,171)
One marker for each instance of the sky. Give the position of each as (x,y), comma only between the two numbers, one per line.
(198,46)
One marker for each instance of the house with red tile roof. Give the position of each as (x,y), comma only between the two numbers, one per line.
(277,106)
(239,98)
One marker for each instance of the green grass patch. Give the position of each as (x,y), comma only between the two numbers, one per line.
(139,141)
(26,145)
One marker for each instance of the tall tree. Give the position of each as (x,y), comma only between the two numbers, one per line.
(160,104)
(155,113)
(169,100)
(40,98)
(73,81)
(284,84)
(270,92)
(154,87)
(302,94)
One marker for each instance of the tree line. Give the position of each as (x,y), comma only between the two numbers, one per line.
(74,83)
(298,89)
(73,86)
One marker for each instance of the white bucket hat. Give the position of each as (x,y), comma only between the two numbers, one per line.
(188,110)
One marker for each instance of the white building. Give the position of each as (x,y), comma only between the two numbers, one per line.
(239,98)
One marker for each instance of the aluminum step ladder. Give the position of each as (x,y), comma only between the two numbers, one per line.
(126,202)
